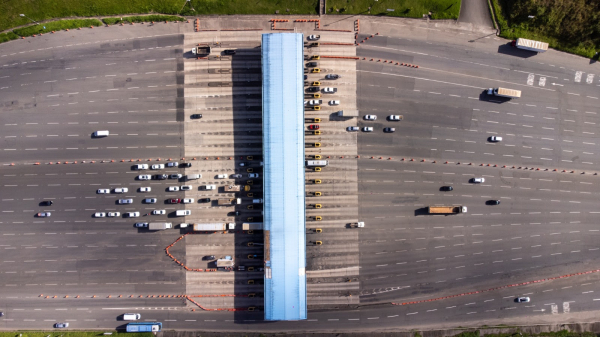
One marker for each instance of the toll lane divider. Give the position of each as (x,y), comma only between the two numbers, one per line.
(501,287)
(366,38)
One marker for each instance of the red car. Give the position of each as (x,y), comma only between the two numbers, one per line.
(314,126)
(174,201)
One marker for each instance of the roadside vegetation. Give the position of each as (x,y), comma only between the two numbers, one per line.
(56,25)
(518,333)
(143,18)
(66,333)
(440,9)
(569,25)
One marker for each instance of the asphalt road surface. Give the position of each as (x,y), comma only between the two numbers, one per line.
(84,270)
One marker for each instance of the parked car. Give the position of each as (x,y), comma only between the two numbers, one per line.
(144,177)
(352,128)
(370,117)
(173,188)
(103,191)
(159,212)
(145,189)
(367,129)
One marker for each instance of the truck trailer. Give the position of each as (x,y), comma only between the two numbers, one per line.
(144,327)
(446,209)
(236,188)
(348,113)
(503,92)
(212,227)
(531,45)
(252,226)
(159,226)
(229,202)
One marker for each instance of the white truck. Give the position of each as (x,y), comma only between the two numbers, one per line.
(316,163)
(531,45)
(159,226)
(215,226)
(503,92)
(348,113)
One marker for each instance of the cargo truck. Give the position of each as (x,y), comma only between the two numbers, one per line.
(236,188)
(252,226)
(316,163)
(446,209)
(229,202)
(225,264)
(144,327)
(348,113)
(503,92)
(215,226)
(531,45)
(201,50)
(159,226)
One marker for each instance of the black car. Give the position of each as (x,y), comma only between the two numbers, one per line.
(446,188)
(204,200)
(46,203)
(229,52)
(196,116)
(313,89)
(305,77)
(492,202)
(160,176)
(209,258)
(235,213)
(312,64)
(185,165)
(389,129)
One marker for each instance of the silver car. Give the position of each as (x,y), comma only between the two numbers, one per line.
(150,200)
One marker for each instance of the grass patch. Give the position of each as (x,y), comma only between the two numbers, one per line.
(440,9)
(72,334)
(569,25)
(5,37)
(295,7)
(561,333)
(56,25)
(144,18)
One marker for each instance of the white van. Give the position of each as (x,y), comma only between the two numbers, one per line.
(183,212)
(193,176)
(131,317)
(103,133)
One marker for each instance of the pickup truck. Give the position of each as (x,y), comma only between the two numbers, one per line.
(329,90)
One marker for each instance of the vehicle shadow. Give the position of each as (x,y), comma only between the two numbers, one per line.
(508,49)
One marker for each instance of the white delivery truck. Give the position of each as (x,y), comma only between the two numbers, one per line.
(531,45)
(102,133)
(503,92)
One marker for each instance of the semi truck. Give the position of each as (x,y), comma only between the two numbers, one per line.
(215,226)
(236,188)
(159,226)
(144,327)
(503,92)
(252,226)
(446,209)
(229,202)
(531,45)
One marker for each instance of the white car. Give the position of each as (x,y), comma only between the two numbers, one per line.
(330,90)
(172,164)
(99,215)
(221,176)
(352,128)
(252,175)
(145,189)
(44,214)
(113,214)
(141,166)
(173,188)
(159,212)
(313,37)
(523,299)
(125,201)
(394,117)
(370,117)
(188,201)
(186,187)
(495,139)
(132,214)
(367,129)
(150,201)
(103,191)
(334,102)
(175,176)
(158,166)
(210,187)
(144,177)
(478,180)
(121,190)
